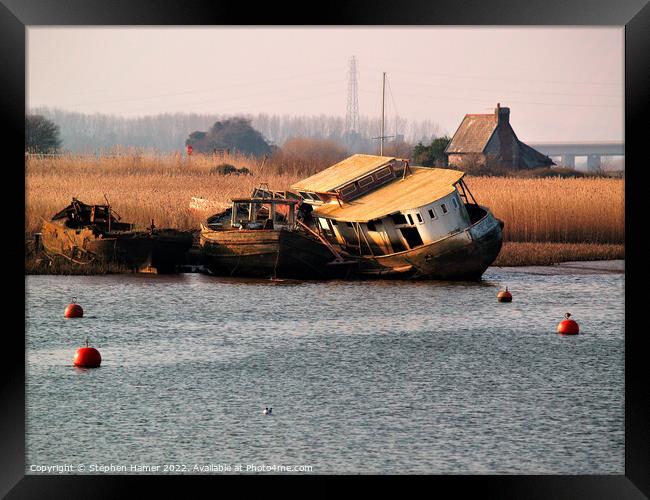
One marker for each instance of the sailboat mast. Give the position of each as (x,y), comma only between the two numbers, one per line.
(383,100)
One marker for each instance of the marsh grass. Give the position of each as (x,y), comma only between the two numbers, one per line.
(575,210)
(515,253)
(142,187)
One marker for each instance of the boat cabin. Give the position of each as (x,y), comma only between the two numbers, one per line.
(78,215)
(403,212)
(350,178)
(263,213)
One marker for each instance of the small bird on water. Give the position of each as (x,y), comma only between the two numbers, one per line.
(267,411)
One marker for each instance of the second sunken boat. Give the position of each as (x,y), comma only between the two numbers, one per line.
(260,237)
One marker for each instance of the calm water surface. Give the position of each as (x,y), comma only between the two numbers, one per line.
(363,377)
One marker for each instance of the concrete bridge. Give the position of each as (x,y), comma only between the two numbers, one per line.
(567,151)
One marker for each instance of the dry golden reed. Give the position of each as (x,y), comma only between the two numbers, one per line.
(142,187)
(515,253)
(573,210)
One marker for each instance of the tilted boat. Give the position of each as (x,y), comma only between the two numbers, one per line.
(92,233)
(399,221)
(260,236)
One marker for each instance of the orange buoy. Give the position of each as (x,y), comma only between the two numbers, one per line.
(504,296)
(568,326)
(87,357)
(74,310)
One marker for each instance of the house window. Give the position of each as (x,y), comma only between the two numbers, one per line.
(383,173)
(432,214)
(366,181)
(444,208)
(410,219)
(419,217)
(349,189)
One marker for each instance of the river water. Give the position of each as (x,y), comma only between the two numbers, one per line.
(363,377)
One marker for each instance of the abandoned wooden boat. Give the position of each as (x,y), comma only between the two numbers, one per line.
(93,233)
(399,221)
(261,237)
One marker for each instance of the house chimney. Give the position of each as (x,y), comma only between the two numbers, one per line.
(502,114)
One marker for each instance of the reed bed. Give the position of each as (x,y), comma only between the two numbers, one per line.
(574,210)
(143,187)
(580,213)
(515,253)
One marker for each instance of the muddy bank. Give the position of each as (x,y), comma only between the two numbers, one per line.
(577,267)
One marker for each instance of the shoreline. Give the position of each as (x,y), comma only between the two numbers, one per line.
(539,258)
(613,266)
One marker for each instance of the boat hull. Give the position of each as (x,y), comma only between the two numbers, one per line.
(159,252)
(261,253)
(462,256)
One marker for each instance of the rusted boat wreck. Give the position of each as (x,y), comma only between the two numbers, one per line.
(85,233)
(399,221)
(260,236)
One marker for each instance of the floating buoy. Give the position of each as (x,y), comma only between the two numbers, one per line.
(568,326)
(74,310)
(87,357)
(504,296)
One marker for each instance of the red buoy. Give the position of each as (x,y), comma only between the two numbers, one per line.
(568,326)
(87,357)
(504,296)
(74,310)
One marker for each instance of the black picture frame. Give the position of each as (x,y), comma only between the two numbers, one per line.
(16,15)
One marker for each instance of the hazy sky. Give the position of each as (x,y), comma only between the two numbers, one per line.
(561,84)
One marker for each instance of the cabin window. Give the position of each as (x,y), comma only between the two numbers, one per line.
(410,219)
(314,197)
(371,225)
(398,218)
(398,168)
(432,214)
(334,223)
(304,195)
(383,173)
(412,236)
(419,217)
(349,224)
(444,208)
(366,181)
(454,202)
(349,189)
(323,223)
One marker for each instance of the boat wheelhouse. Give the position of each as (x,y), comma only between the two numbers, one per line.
(260,237)
(403,221)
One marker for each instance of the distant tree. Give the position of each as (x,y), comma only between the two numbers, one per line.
(431,155)
(235,134)
(41,135)
(309,155)
(398,148)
